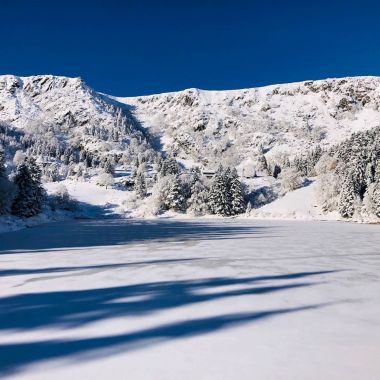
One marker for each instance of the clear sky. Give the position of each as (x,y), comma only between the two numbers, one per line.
(142,47)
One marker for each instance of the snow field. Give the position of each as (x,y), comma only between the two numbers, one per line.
(205,299)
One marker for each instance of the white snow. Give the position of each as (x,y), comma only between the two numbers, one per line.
(298,204)
(195,299)
(280,118)
(238,126)
(94,200)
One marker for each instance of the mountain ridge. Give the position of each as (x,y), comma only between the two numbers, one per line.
(198,125)
(286,118)
(360,77)
(273,135)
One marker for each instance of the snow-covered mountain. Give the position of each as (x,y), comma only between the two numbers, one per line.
(64,103)
(52,99)
(201,125)
(77,133)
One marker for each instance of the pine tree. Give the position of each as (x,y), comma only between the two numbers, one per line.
(175,199)
(140,185)
(215,190)
(37,188)
(264,163)
(6,188)
(237,195)
(108,166)
(376,199)
(219,194)
(347,198)
(2,165)
(169,166)
(276,171)
(198,201)
(23,204)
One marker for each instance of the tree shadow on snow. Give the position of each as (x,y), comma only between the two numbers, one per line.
(15,356)
(97,267)
(109,232)
(69,309)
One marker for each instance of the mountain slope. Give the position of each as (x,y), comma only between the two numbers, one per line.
(78,134)
(68,104)
(200,125)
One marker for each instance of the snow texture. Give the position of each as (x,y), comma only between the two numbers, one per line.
(200,127)
(289,118)
(195,299)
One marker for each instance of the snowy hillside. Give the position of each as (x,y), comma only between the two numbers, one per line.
(52,99)
(200,125)
(68,103)
(138,156)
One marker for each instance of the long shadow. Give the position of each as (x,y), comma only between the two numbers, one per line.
(15,356)
(88,211)
(67,309)
(36,271)
(108,232)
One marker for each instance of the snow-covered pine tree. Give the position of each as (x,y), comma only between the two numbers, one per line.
(25,203)
(175,199)
(219,194)
(238,204)
(357,160)
(357,169)
(140,185)
(159,162)
(37,188)
(369,174)
(198,201)
(108,166)
(376,191)
(6,188)
(262,164)
(169,166)
(347,198)
(2,165)
(215,189)
(136,162)
(376,198)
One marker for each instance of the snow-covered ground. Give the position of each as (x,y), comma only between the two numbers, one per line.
(300,204)
(94,200)
(194,299)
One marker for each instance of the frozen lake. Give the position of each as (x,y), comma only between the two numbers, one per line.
(194,299)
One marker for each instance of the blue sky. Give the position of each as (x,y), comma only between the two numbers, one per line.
(142,47)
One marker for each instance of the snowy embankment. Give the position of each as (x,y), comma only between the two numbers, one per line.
(96,201)
(194,299)
(93,202)
(299,204)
